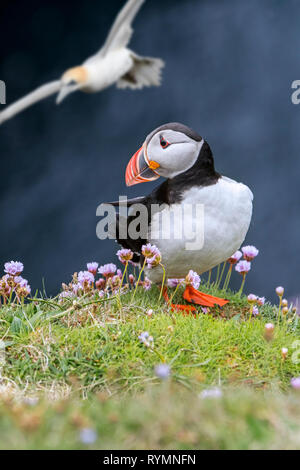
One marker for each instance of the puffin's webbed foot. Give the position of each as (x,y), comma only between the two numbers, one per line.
(196,297)
(192,295)
(178,307)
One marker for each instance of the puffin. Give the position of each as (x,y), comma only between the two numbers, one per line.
(215,209)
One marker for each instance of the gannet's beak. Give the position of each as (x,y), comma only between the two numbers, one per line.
(140,169)
(65,91)
(72,80)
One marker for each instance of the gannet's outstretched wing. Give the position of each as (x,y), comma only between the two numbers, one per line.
(121,31)
(30,99)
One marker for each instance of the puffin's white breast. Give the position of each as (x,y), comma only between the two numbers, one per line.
(218,216)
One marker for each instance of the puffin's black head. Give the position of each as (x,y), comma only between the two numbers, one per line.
(169,151)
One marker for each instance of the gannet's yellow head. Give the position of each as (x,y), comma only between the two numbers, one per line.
(72,80)
(75,75)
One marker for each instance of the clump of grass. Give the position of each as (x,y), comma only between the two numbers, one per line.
(98,338)
(99,344)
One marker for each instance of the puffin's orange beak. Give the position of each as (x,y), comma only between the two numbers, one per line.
(139,170)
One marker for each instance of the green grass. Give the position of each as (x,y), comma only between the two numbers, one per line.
(89,369)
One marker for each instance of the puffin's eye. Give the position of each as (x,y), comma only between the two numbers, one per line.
(164,143)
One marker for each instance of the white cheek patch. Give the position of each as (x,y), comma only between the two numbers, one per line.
(182,156)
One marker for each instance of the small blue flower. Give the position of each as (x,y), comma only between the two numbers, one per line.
(162,371)
(88,436)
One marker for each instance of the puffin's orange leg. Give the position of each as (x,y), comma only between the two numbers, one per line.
(177,308)
(194,296)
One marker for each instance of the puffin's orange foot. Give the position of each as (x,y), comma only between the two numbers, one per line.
(195,297)
(178,307)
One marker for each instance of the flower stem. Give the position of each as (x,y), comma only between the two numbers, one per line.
(209,277)
(251,311)
(175,291)
(163,281)
(279,309)
(139,278)
(218,274)
(221,276)
(242,285)
(122,280)
(228,276)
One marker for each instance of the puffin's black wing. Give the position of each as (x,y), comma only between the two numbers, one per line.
(127,202)
(157,197)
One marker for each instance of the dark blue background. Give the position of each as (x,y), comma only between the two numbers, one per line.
(229,69)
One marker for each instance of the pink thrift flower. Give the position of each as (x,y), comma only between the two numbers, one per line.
(295,383)
(284,352)
(175,282)
(85,277)
(255,311)
(150,251)
(76,287)
(21,281)
(194,279)
(147,284)
(279,291)
(235,257)
(125,255)
(269,330)
(131,278)
(251,298)
(261,300)
(100,284)
(114,281)
(153,262)
(119,273)
(243,267)
(269,327)
(250,252)
(92,267)
(66,295)
(14,268)
(107,270)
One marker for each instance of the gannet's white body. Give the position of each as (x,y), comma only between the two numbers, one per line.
(114,63)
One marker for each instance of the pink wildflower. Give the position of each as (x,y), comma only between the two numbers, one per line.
(100,284)
(147,284)
(250,252)
(255,311)
(150,251)
(175,282)
(125,255)
(194,279)
(85,277)
(92,267)
(107,270)
(243,267)
(295,383)
(279,291)
(14,268)
(235,257)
